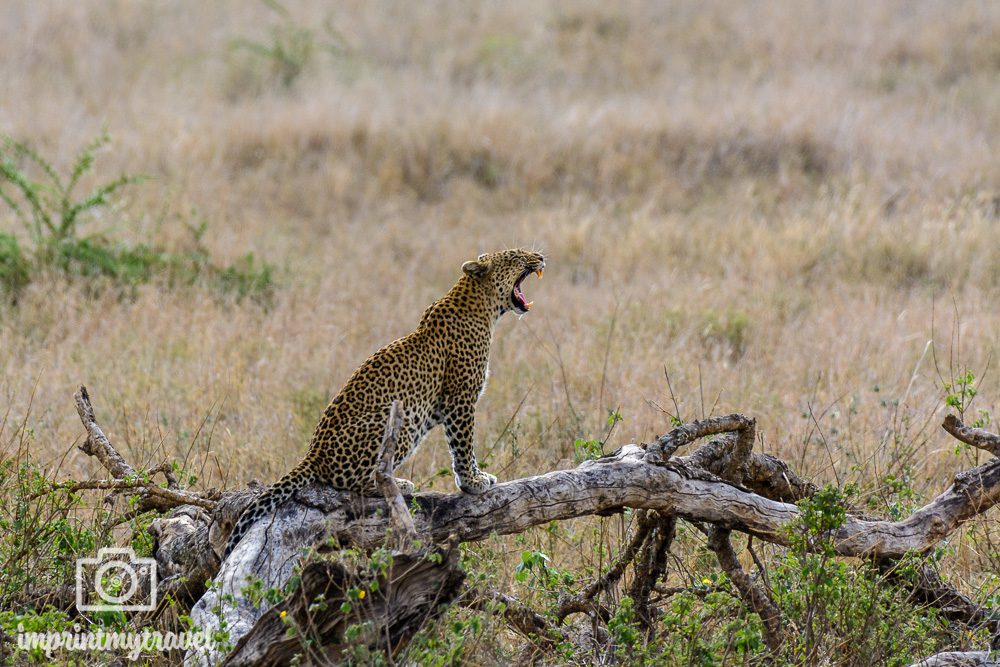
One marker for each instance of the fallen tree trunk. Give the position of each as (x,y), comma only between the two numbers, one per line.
(606,485)
(625,479)
(722,484)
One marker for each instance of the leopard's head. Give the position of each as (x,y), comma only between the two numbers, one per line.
(501,274)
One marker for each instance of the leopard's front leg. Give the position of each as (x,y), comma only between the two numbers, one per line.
(459,424)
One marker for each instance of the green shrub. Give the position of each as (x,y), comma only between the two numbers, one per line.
(41,534)
(246,277)
(847,613)
(98,257)
(52,216)
(48,208)
(292,48)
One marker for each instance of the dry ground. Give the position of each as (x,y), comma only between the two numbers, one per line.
(791,207)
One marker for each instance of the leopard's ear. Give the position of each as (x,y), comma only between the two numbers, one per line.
(476,268)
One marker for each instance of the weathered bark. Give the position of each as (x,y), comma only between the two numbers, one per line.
(722,484)
(961,659)
(971,435)
(624,479)
(310,621)
(661,449)
(183,564)
(650,567)
(97,444)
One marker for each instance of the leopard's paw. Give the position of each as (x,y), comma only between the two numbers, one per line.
(478,483)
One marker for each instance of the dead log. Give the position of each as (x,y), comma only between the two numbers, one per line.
(612,483)
(961,659)
(723,485)
(624,479)
(392,607)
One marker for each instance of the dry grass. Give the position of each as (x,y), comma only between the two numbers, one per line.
(781,204)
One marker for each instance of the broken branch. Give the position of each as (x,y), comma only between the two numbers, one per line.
(127,478)
(401,519)
(971,435)
(97,444)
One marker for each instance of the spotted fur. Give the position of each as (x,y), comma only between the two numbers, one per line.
(438,373)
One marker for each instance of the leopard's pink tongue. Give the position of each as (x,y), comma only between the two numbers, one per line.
(520,295)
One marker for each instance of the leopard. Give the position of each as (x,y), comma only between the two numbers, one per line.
(437,373)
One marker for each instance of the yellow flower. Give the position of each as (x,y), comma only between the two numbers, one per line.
(284,612)
(706,581)
(361,595)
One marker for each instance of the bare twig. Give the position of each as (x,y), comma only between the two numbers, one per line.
(752,595)
(584,600)
(401,519)
(162,498)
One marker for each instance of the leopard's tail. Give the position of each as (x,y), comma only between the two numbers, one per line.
(267,502)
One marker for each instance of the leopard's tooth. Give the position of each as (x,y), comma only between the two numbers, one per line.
(528,305)
(539,273)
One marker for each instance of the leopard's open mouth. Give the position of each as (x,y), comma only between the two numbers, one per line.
(521,303)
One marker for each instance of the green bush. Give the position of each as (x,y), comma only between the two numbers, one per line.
(41,534)
(47,207)
(291,49)
(847,612)
(52,217)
